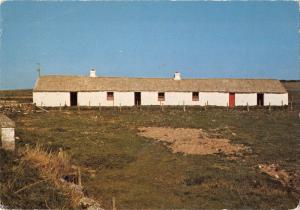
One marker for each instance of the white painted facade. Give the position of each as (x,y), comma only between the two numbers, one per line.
(100,98)
(275,99)
(214,99)
(185,98)
(56,99)
(242,99)
(51,99)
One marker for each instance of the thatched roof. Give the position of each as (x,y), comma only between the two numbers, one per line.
(81,83)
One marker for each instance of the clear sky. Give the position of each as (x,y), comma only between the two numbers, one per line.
(149,39)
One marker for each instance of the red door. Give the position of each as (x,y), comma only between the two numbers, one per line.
(231,99)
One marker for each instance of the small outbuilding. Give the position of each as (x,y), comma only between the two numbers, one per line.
(55,91)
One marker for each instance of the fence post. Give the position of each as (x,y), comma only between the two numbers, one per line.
(183,106)
(120,107)
(34,107)
(292,104)
(79,177)
(59,106)
(247,107)
(114,203)
(269,106)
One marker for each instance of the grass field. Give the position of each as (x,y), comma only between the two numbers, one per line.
(142,173)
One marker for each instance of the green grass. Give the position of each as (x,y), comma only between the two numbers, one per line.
(142,173)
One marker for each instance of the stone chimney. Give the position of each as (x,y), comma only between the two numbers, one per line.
(93,73)
(177,76)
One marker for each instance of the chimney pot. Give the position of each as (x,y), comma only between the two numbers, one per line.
(93,73)
(177,76)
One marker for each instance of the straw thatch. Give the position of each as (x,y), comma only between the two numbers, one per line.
(81,83)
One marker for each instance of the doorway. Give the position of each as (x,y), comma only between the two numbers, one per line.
(73,98)
(231,100)
(137,98)
(260,99)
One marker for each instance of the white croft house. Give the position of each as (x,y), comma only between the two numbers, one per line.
(55,91)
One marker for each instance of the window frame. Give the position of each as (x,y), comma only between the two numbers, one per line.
(110,96)
(195,98)
(161,98)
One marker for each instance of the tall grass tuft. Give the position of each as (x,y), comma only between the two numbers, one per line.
(53,166)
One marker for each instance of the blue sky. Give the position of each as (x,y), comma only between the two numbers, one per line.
(149,39)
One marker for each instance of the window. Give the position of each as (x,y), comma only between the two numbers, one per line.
(195,96)
(110,96)
(161,96)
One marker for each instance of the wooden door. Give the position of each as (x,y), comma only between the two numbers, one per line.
(260,99)
(137,98)
(231,99)
(73,98)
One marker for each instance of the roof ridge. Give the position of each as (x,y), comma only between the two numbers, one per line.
(165,78)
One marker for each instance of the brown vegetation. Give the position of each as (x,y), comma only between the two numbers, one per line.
(56,166)
(191,141)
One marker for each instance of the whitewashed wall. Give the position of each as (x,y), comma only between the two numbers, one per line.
(149,98)
(56,99)
(214,99)
(241,99)
(100,98)
(51,99)
(275,99)
(124,98)
(89,98)
(171,98)
(180,98)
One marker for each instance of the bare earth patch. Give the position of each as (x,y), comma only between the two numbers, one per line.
(191,141)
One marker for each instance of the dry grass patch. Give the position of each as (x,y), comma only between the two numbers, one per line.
(57,167)
(191,141)
(52,165)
